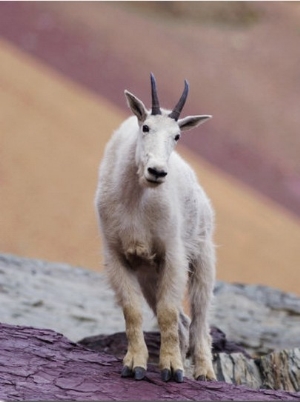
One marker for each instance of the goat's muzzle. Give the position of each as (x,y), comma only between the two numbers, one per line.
(155,176)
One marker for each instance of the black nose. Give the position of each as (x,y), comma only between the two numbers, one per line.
(157,173)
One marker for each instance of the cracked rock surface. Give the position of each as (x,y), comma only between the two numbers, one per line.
(40,364)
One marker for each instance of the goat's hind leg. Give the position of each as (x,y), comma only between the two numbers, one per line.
(183,331)
(201,284)
(129,296)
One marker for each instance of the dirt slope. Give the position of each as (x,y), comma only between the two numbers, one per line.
(52,135)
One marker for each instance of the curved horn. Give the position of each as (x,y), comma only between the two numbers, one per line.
(178,108)
(155,101)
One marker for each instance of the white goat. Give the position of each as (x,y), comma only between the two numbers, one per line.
(157,224)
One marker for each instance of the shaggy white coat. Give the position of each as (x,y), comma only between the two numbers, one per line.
(157,238)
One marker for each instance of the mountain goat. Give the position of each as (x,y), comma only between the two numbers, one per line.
(157,226)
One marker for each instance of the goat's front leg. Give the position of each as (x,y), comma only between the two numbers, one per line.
(169,299)
(135,360)
(129,296)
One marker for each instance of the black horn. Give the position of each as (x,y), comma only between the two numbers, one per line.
(178,108)
(155,101)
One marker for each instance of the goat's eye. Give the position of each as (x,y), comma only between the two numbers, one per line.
(145,128)
(177,137)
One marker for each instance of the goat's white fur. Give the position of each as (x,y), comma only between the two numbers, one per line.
(157,237)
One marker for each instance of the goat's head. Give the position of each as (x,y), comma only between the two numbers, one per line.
(160,131)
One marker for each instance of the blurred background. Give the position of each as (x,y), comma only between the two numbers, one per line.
(64,67)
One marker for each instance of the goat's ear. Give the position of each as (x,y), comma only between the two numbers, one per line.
(137,106)
(192,121)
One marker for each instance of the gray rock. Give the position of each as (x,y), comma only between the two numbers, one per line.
(281,370)
(237,369)
(70,300)
(277,370)
(259,318)
(79,303)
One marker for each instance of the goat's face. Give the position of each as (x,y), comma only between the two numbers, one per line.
(159,133)
(157,139)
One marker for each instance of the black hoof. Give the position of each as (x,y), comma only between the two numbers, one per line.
(126,372)
(139,373)
(166,375)
(178,376)
(201,378)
